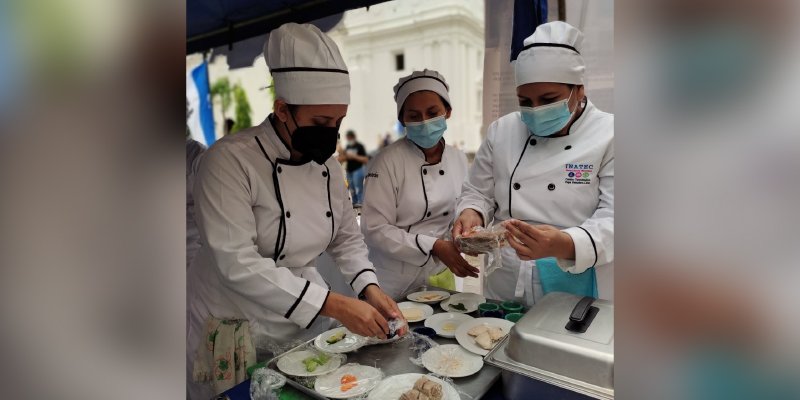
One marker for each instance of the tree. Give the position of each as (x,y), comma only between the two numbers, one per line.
(242,110)
(222,89)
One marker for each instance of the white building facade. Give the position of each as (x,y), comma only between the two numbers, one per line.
(380,45)
(392,39)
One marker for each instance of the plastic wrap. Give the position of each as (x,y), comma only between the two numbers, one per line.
(266,384)
(394,326)
(349,380)
(482,240)
(418,345)
(486,241)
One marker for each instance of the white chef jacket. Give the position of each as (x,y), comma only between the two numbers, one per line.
(566,182)
(263,222)
(408,204)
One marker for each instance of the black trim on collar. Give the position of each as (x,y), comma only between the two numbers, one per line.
(320,310)
(309,69)
(447,88)
(564,46)
(296,302)
(593,245)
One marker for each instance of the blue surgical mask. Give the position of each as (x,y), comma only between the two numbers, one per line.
(547,119)
(426,134)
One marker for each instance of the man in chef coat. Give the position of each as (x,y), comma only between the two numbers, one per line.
(269,201)
(547,173)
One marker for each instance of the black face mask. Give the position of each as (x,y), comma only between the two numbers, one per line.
(316,143)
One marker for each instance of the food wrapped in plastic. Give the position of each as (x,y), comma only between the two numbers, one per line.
(482,240)
(349,380)
(266,384)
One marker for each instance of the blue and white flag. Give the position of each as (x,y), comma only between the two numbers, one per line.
(200,114)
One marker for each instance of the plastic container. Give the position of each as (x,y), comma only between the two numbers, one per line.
(511,307)
(425,331)
(514,317)
(484,307)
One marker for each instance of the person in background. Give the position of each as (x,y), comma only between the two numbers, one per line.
(411,191)
(356,157)
(229,123)
(546,173)
(269,201)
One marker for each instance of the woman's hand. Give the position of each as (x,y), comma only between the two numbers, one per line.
(385,305)
(448,253)
(358,316)
(467,220)
(539,241)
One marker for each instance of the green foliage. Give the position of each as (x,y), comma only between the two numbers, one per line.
(242,111)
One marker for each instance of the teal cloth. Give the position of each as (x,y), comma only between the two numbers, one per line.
(554,279)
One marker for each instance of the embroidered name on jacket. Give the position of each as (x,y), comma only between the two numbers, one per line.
(578,174)
(372,175)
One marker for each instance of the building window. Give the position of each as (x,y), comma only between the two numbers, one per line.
(399,61)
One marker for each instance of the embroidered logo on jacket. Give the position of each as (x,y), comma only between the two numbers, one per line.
(372,175)
(579,174)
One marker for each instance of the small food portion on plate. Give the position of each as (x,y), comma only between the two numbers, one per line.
(458,306)
(482,334)
(415,312)
(451,360)
(348,382)
(313,362)
(428,297)
(487,336)
(424,389)
(462,303)
(336,337)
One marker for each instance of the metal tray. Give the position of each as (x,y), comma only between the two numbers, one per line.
(498,358)
(272,364)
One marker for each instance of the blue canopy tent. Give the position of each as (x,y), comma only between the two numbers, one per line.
(216,23)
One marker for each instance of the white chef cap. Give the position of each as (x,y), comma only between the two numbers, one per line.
(551,54)
(417,81)
(306,66)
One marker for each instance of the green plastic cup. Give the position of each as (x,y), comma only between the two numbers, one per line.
(512,307)
(484,307)
(514,317)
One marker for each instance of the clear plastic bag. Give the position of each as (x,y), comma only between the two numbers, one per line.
(266,384)
(349,380)
(418,346)
(482,240)
(486,241)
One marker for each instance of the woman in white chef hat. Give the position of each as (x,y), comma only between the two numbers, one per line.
(269,200)
(547,173)
(411,189)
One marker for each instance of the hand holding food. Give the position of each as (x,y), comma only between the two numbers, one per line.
(447,252)
(532,242)
(358,316)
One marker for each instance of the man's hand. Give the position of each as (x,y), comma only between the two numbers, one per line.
(385,305)
(539,241)
(358,316)
(448,253)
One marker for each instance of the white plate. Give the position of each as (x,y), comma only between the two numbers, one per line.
(425,309)
(452,361)
(350,342)
(469,300)
(394,386)
(468,341)
(292,364)
(330,385)
(433,296)
(445,324)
